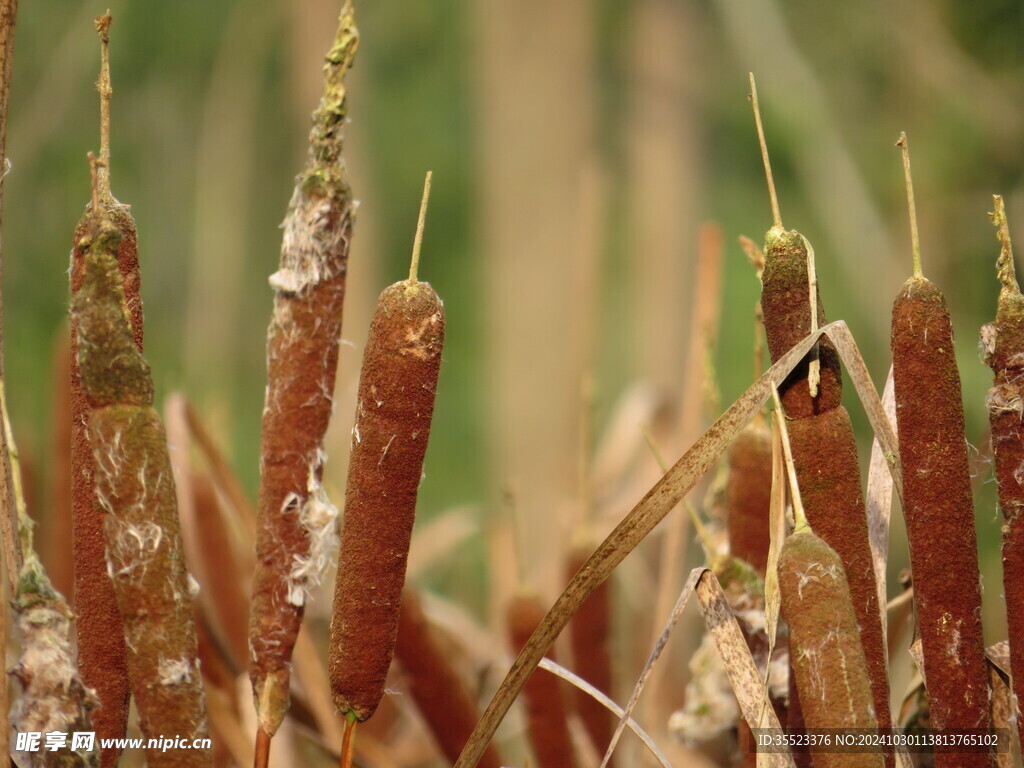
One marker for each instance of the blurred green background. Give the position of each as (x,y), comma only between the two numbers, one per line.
(575,145)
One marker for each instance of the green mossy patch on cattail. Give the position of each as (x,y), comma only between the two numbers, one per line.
(101,652)
(135,486)
(785,302)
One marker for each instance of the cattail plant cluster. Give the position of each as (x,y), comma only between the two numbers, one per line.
(183,587)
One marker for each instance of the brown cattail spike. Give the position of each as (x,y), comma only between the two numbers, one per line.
(939,512)
(296,523)
(1003,349)
(397,387)
(831,670)
(435,685)
(134,484)
(102,656)
(545,710)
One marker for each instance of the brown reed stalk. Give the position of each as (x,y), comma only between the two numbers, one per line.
(296,521)
(590,631)
(102,655)
(397,386)
(546,717)
(135,485)
(439,692)
(1003,347)
(938,505)
(823,443)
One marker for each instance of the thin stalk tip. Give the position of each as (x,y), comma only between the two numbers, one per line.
(776,216)
(915,240)
(415,264)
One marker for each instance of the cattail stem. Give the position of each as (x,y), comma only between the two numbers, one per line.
(106,91)
(915,239)
(348,742)
(414,263)
(776,216)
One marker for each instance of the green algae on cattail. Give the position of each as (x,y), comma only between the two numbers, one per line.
(823,444)
(824,644)
(397,386)
(546,717)
(296,525)
(590,639)
(938,505)
(102,656)
(1003,349)
(135,485)
(438,690)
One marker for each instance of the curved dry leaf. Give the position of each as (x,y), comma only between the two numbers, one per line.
(557,669)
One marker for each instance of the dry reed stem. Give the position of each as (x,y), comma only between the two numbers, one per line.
(939,512)
(397,387)
(660,500)
(296,527)
(1003,349)
(546,717)
(824,639)
(439,692)
(102,655)
(135,485)
(590,639)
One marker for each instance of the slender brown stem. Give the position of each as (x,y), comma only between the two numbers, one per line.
(103,86)
(418,241)
(262,756)
(348,741)
(914,238)
(776,216)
